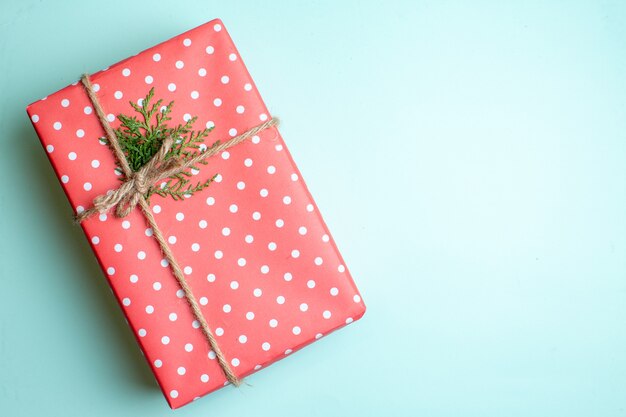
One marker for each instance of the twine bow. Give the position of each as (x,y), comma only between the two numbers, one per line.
(133,191)
(127,196)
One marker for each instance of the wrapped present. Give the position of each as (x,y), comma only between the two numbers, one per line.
(196,212)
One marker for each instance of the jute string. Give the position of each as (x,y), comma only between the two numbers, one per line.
(132,193)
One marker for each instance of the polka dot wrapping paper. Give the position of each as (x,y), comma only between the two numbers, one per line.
(253,246)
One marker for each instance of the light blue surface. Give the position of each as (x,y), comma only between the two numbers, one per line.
(469,157)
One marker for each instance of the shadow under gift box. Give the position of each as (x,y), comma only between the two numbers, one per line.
(253,245)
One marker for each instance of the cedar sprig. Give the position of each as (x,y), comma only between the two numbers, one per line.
(140,138)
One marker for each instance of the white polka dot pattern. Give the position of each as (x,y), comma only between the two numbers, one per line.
(253,246)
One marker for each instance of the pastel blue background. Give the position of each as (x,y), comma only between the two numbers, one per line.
(469,157)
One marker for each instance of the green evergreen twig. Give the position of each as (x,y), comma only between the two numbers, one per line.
(140,137)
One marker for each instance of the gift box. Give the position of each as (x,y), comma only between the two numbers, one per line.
(252,248)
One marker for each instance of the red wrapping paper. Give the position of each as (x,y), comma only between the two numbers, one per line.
(253,246)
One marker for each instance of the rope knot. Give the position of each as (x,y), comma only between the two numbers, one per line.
(136,186)
(142,186)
